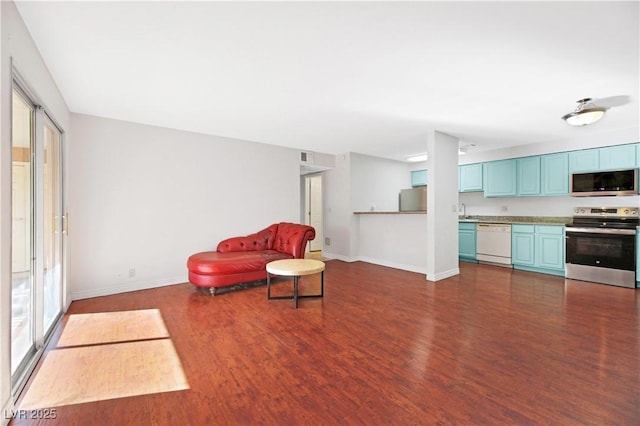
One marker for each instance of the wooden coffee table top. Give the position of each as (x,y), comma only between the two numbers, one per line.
(295,267)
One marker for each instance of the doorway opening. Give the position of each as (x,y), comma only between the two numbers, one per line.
(313,212)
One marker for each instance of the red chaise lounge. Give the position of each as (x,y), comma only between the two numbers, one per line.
(240,260)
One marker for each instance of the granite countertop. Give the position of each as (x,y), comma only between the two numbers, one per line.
(526,220)
(518,220)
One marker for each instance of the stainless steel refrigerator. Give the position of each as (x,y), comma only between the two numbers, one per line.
(413,199)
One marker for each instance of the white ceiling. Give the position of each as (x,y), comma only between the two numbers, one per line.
(368,77)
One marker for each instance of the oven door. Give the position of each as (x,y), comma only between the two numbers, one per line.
(600,247)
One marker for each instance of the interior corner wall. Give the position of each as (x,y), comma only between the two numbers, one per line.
(144,198)
(338,221)
(17,46)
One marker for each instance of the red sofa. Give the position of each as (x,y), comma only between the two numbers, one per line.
(244,259)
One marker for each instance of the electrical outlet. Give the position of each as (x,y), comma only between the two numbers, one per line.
(503,208)
(327,241)
(132,273)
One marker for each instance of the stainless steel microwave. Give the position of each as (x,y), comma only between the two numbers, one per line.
(607,182)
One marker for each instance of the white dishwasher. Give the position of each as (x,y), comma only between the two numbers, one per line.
(494,243)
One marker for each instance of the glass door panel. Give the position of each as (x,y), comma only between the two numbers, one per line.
(22,292)
(52,226)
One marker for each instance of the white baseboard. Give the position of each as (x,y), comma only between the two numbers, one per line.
(124,288)
(443,275)
(402,266)
(338,257)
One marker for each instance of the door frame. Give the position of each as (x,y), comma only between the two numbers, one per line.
(308,194)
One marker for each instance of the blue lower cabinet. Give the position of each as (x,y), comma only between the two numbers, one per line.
(522,245)
(538,248)
(467,242)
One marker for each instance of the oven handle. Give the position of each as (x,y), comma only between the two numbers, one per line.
(602,231)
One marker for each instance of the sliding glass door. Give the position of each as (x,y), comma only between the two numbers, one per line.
(22,272)
(37,239)
(52,258)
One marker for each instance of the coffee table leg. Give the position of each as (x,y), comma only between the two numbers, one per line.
(268,286)
(322,284)
(295,291)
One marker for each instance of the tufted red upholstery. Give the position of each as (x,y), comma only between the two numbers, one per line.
(244,259)
(262,240)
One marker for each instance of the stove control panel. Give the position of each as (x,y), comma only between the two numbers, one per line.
(607,211)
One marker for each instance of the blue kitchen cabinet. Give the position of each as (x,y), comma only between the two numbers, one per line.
(467,241)
(470,177)
(584,160)
(638,155)
(604,158)
(500,178)
(618,157)
(538,248)
(528,172)
(550,245)
(555,174)
(522,245)
(418,178)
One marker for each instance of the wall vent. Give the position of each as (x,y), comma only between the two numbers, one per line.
(306,157)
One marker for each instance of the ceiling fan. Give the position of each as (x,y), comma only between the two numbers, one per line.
(591,110)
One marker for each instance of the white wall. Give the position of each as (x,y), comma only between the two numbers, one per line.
(358,182)
(394,240)
(145,198)
(376,182)
(339,223)
(17,45)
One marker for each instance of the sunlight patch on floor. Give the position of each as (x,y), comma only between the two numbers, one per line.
(98,367)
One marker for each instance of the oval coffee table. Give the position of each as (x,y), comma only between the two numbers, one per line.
(295,268)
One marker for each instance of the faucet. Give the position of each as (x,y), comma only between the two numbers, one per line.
(463,208)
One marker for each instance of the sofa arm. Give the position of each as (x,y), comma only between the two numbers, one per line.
(262,240)
(292,238)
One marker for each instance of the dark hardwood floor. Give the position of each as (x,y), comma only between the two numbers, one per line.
(384,346)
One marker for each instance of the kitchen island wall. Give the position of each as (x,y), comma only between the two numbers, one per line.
(394,239)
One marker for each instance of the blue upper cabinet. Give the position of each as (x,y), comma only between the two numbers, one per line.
(500,178)
(418,178)
(585,160)
(470,177)
(528,182)
(605,158)
(555,174)
(618,157)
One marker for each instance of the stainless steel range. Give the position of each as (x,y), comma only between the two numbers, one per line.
(600,245)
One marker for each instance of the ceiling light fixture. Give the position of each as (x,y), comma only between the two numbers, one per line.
(417,157)
(585,113)
(465,148)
